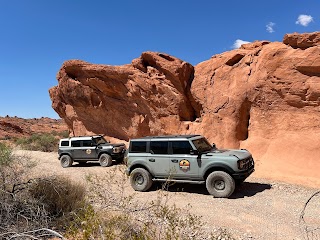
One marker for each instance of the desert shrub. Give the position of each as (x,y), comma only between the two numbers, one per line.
(119,215)
(44,142)
(58,194)
(62,134)
(17,210)
(30,206)
(13,169)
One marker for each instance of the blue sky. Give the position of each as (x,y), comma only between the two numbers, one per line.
(37,36)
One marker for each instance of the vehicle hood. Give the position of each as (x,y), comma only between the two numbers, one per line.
(241,154)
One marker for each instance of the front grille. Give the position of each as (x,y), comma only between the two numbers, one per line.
(248,163)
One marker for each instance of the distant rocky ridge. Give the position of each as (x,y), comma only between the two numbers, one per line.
(264,96)
(15,127)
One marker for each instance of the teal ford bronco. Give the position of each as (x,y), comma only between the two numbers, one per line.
(189,159)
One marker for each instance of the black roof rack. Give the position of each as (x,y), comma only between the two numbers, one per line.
(171,136)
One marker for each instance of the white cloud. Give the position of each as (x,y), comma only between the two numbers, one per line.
(238,43)
(304,20)
(270,26)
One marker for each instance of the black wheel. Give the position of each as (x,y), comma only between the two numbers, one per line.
(140,180)
(220,184)
(105,160)
(66,161)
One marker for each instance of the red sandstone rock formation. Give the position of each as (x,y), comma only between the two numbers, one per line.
(264,96)
(14,127)
(148,97)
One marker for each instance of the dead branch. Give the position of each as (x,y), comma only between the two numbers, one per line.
(302,221)
(34,234)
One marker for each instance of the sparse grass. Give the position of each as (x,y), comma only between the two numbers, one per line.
(119,215)
(44,142)
(106,211)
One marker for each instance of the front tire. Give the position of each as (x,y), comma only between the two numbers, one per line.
(140,180)
(66,161)
(105,160)
(220,184)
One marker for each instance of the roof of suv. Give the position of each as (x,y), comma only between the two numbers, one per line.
(167,136)
(80,138)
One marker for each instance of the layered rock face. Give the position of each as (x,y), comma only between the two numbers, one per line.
(147,97)
(264,96)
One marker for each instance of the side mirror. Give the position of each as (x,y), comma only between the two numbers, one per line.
(214,146)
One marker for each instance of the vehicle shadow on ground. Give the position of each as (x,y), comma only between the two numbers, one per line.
(249,189)
(246,189)
(91,164)
(180,187)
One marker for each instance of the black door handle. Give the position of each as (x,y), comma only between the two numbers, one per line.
(152,160)
(174,160)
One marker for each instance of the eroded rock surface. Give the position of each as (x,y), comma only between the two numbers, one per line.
(147,97)
(264,96)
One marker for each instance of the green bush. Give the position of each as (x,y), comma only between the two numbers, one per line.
(62,134)
(5,155)
(44,142)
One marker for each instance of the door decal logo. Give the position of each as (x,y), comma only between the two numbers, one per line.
(184,165)
(88,151)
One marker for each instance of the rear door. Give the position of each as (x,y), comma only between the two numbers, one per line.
(183,164)
(158,158)
(83,149)
(89,150)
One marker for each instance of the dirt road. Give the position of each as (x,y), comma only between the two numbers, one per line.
(259,209)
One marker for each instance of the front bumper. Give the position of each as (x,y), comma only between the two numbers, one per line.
(118,155)
(244,174)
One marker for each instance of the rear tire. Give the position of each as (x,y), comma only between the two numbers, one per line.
(66,161)
(140,180)
(220,184)
(105,160)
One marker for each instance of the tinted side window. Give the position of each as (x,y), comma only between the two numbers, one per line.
(181,147)
(138,147)
(75,143)
(64,143)
(158,147)
(87,143)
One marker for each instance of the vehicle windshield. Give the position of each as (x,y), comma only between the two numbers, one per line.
(202,145)
(99,140)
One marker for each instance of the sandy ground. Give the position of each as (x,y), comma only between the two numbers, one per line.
(259,209)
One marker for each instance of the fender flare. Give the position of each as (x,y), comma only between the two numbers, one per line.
(218,167)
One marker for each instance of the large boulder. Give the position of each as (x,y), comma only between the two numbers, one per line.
(147,97)
(264,96)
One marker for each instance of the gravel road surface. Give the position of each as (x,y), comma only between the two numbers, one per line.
(259,208)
